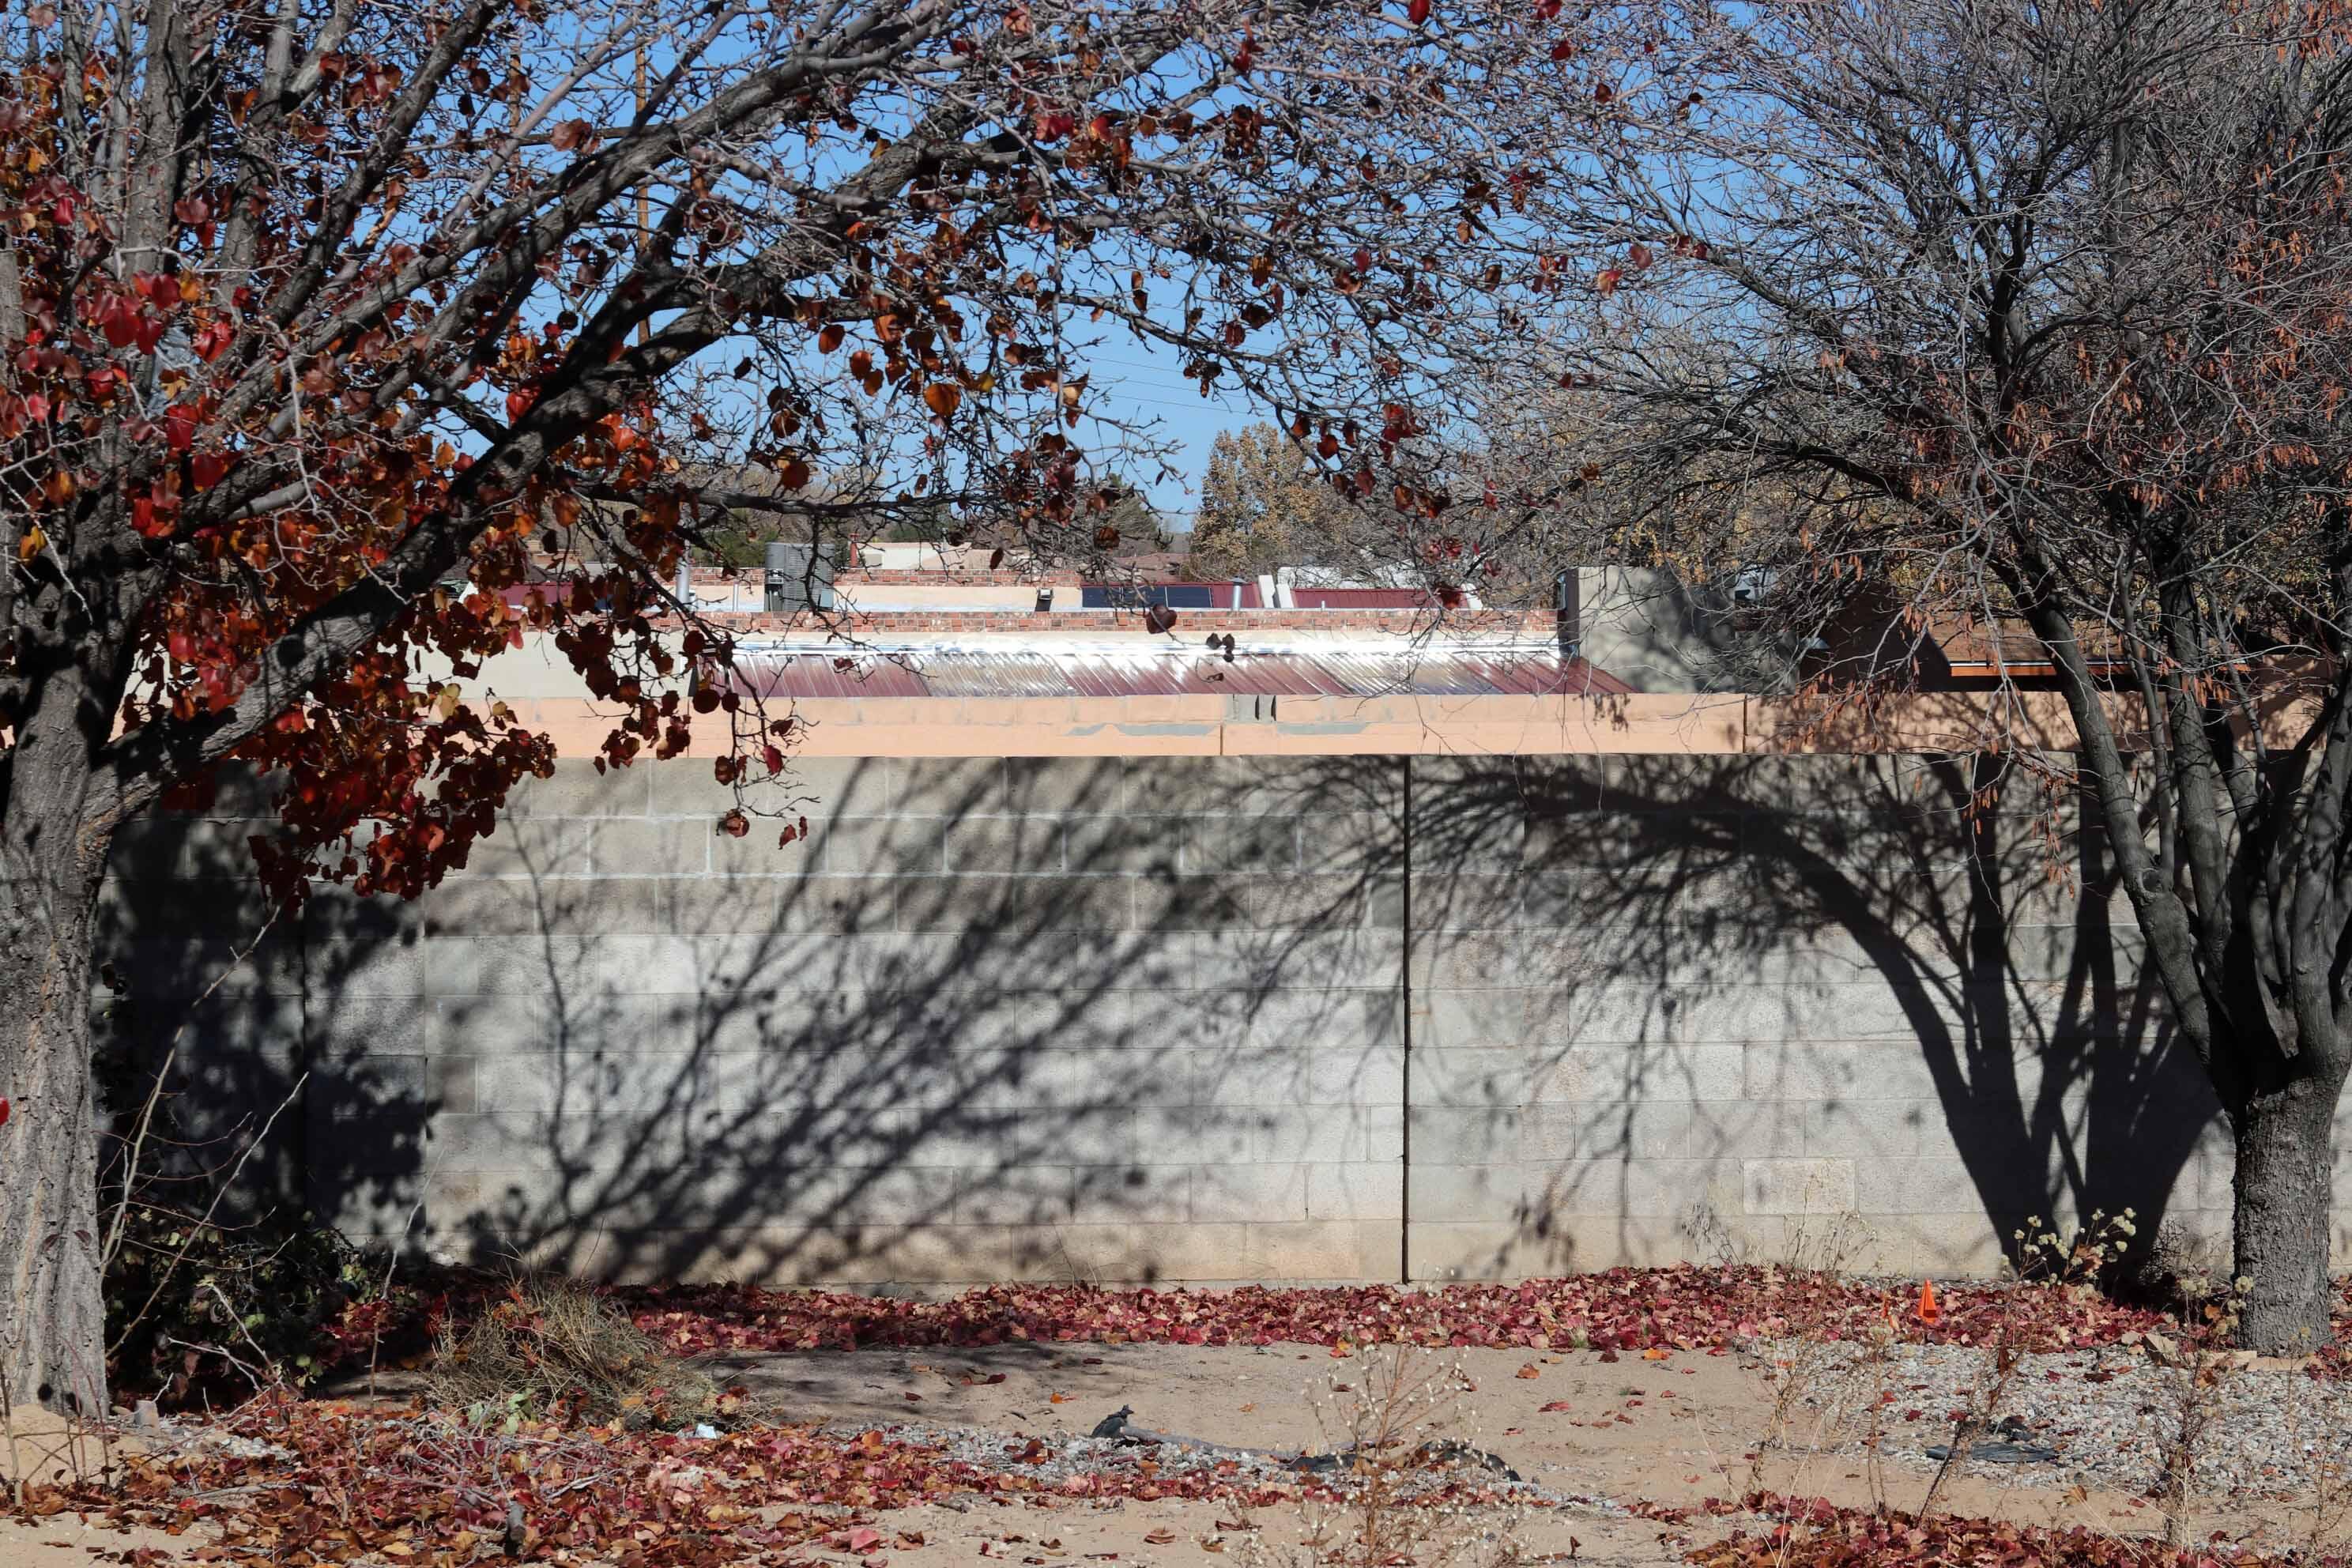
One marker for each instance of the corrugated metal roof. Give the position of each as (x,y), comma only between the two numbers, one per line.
(1339,671)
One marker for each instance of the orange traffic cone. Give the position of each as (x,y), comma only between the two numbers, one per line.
(1929,1312)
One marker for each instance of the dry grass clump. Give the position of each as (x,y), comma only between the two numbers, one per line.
(553,1349)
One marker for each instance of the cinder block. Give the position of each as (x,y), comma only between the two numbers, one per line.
(1365,1075)
(878,845)
(1241,787)
(1643,1072)
(1467,960)
(1012,845)
(1012,908)
(900,1196)
(1072,1020)
(1308,902)
(624,1023)
(1869,1130)
(1747,1129)
(1467,1077)
(714,906)
(1105,1132)
(476,1025)
(1224,1193)
(1133,1194)
(951,788)
(1562,901)
(1355,843)
(1817,1069)
(1315,1250)
(164,968)
(476,907)
(1799,1186)
(1366,1190)
(1490,1193)
(208,907)
(1550,1134)
(1123,846)
(1251,1077)
(372,1087)
(163,849)
(1214,901)
(450,1085)
(1329,1134)
(486,1142)
(1267,961)
(821,787)
(1458,902)
(1456,1135)
(1488,1019)
(1208,1134)
(1241,843)
(1474,1249)
(660,846)
(1673,842)
(578,789)
(1015,1080)
(1141,1253)
(1098,1078)
(1087,787)
(531,846)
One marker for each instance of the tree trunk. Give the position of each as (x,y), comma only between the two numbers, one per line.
(2284,1192)
(52,856)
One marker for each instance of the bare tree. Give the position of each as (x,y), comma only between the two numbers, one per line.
(2031,323)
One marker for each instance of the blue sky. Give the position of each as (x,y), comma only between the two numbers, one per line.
(1143,381)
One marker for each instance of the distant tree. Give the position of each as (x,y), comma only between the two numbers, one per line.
(1263,504)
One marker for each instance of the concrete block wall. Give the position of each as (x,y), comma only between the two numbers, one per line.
(1204,1019)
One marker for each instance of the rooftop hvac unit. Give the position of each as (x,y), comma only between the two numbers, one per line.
(800,577)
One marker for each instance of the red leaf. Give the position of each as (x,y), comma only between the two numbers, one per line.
(1417,12)
(1606,282)
(4,1112)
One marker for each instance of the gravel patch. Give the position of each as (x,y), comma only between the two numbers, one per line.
(2114,1416)
(1058,1458)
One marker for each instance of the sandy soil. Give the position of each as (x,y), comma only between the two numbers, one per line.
(1677,1431)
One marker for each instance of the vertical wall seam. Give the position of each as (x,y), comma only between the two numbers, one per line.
(1404,1058)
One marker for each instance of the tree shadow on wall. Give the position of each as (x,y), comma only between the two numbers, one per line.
(1649,989)
(1133,1019)
(984,1024)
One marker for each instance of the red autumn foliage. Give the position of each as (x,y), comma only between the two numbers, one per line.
(1679,1308)
(1809,1532)
(359,1484)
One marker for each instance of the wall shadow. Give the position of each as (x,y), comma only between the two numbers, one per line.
(1132,1019)
(984,1024)
(1715,999)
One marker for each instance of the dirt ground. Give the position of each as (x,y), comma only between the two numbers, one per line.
(1677,1431)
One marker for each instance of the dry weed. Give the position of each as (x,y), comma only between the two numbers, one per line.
(555,1350)
(1397,1428)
